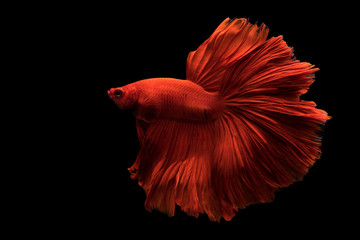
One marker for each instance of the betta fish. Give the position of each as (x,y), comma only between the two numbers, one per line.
(233,132)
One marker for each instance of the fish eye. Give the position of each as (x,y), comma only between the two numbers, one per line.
(117,93)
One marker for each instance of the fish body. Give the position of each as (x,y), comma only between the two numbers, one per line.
(173,99)
(231,134)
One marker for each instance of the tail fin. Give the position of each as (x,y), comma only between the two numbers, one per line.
(274,136)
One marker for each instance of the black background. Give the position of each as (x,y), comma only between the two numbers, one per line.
(99,47)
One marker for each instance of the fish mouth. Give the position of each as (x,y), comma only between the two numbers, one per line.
(109,94)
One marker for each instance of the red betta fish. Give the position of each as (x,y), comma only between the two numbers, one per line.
(233,132)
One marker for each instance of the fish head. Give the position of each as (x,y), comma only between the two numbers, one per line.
(124,97)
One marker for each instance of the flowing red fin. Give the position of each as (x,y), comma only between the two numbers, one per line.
(141,128)
(229,42)
(174,167)
(268,70)
(220,166)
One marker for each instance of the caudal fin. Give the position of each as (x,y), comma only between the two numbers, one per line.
(269,137)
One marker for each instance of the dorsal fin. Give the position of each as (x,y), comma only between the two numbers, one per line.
(229,42)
